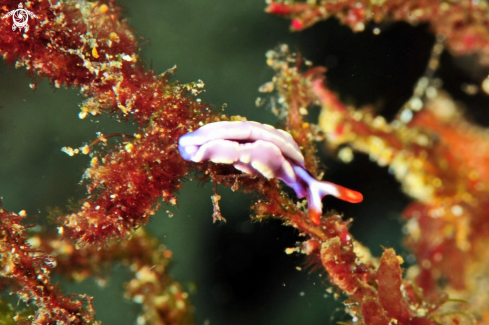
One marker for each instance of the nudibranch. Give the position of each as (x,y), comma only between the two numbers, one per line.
(252,148)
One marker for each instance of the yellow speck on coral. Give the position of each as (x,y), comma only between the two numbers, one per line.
(95,53)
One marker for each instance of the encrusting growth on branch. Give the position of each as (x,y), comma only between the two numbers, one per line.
(462,23)
(441,161)
(29,268)
(86,45)
(376,289)
(163,300)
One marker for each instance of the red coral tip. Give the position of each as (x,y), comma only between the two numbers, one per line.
(280,9)
(297,24)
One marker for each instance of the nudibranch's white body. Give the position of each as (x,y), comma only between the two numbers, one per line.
(254,148)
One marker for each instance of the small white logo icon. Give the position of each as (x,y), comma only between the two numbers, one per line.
(20,17)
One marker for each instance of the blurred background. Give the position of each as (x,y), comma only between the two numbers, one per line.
(237,272)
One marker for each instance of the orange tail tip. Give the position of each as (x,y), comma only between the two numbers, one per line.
(319,189)
(348,195)
(314,190)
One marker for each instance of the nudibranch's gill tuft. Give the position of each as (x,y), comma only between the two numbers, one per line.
(255,148)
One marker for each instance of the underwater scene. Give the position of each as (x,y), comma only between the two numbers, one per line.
(244,162)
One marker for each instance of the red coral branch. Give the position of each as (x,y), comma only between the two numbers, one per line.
(464,24)
(87,45)
(440,159)
(420,155)
(389,279)
(163,300)
(29,269)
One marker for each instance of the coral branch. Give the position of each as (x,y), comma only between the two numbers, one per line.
(389,279)
(29,269)
(163,300)
(377,293)
(423,161)
(87,45)
(462,23)
(440,160)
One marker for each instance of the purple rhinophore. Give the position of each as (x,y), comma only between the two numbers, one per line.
(254,148)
